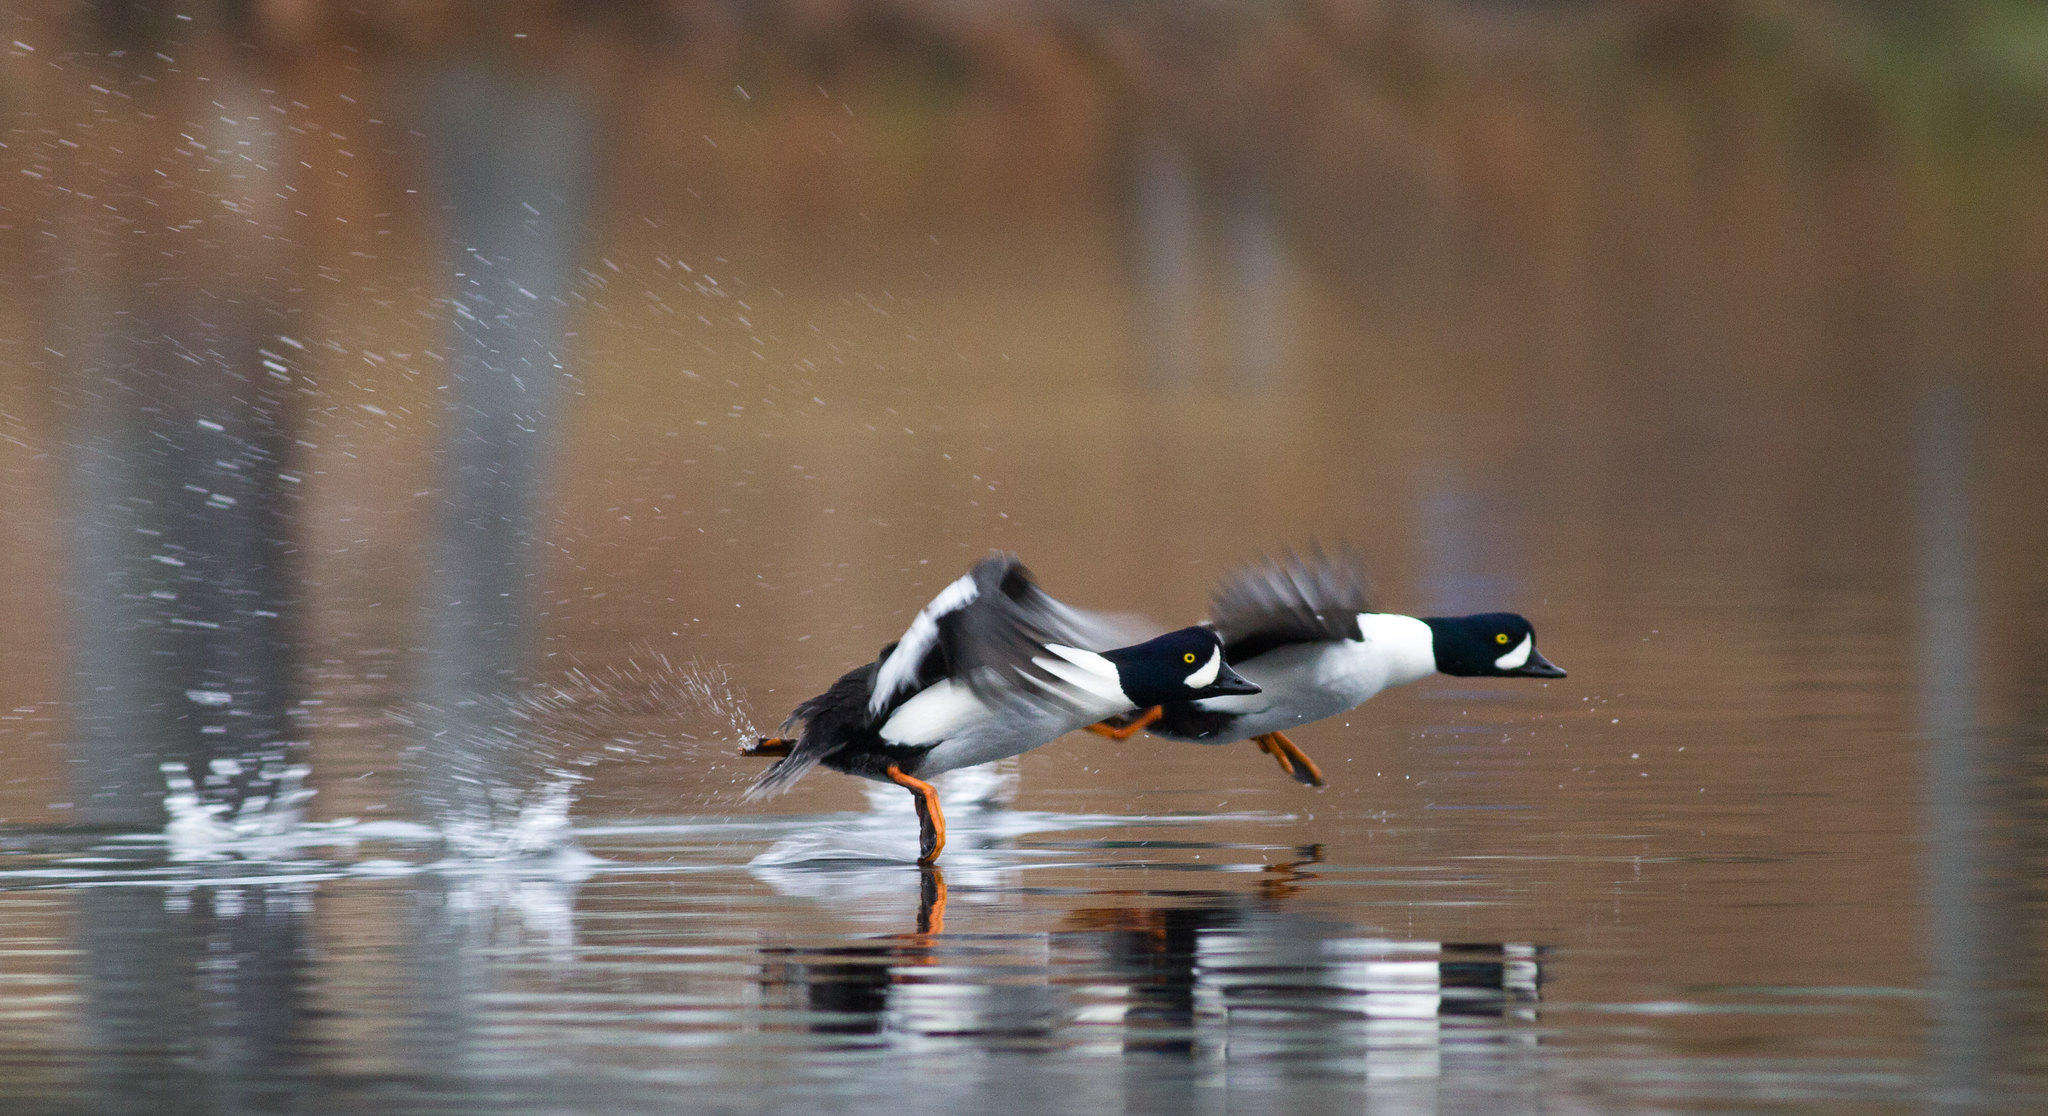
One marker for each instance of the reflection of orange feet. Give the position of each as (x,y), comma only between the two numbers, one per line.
(1292,760)
(1129,729)
(931,821)
(1284,879)
(931,906)
(769,747)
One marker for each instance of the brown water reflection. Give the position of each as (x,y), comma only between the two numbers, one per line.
(1719,360)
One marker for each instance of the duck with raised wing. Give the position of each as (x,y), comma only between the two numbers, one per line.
(992,667)
(1304,630)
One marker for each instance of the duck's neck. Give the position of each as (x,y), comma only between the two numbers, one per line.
(1406,645)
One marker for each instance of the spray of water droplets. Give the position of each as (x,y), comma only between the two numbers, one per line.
(501,772)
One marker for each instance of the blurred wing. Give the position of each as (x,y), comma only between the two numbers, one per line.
(1295,600)
(999,646)
(990,630)
(913,655)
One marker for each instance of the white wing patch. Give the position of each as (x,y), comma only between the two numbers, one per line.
(1518,657)
(1084,670)
(938,712)
(1208,673)
(900,668)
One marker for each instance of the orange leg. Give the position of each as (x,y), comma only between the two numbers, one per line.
(1292,760)
(931,821)
(1265,744)
(769,747)
(1127,731)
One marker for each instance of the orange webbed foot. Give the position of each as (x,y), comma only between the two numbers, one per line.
(1129,729)
(1292,759)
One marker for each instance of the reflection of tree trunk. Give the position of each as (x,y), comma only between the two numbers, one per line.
(513,155)
(1955,767)
(448,940)
(196,1009)
(514,159)
(2022,810)
(175,386)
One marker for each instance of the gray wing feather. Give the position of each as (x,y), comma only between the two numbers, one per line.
(1294,600)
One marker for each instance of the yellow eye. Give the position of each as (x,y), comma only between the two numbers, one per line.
(1501,638)
(1188,658)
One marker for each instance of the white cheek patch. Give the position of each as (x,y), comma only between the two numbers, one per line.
(1518,657)
(1208,673)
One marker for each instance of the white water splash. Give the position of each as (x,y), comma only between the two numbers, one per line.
(531,751)
(501,771)
(540,895)
(262,826)
(645,704)
(518,824)
(635,711)
(976,801)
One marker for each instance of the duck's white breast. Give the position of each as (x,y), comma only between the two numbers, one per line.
(1010,731)
(1303,682)
(963,730)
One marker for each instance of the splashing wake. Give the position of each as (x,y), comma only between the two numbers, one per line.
(261,824)
(502,771)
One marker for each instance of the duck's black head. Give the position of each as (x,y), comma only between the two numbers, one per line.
(1178,666)
(1490,645)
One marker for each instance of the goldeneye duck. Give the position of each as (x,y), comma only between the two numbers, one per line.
(992,667)
(1306,633)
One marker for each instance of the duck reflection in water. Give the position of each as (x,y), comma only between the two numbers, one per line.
(1235,974)
(1227,975)
(846,990)
(1226,979)
(890,984)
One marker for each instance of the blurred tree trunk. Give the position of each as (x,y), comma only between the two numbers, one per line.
(177,368)
(514,159)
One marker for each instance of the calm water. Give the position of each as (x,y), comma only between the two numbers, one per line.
(1748,427)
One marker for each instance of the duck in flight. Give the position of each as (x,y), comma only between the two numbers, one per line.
(992,667)
(1306,633)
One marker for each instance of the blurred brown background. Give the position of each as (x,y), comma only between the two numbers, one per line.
(1601,311)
